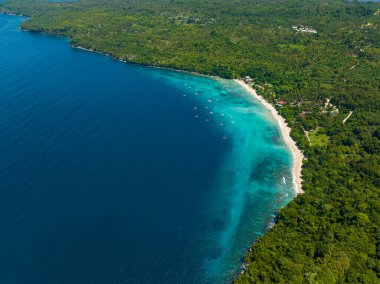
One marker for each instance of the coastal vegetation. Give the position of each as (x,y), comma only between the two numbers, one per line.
(319,58)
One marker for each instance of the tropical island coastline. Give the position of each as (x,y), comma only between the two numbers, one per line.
(285,190)
(285,133)
(285,130)
(329,233)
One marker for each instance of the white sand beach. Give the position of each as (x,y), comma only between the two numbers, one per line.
(285,132)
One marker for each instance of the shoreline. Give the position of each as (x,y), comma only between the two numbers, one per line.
(297,155)
(12,14)
(140,64)
(285,133)
(284,128)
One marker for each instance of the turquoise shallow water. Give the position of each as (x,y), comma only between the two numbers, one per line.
(250,181)
(114,173)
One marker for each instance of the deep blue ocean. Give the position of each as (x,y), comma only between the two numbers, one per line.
(115,173)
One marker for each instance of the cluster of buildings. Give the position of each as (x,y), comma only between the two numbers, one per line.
(327,108)
(303,29)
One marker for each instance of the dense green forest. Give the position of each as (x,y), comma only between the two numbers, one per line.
(331,233)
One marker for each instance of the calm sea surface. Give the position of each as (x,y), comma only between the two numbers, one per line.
(113,173)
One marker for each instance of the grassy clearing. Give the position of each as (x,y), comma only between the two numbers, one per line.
(318,139)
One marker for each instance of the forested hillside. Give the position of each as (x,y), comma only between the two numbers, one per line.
(321,57)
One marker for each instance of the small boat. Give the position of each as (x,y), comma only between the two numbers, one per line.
(283,180)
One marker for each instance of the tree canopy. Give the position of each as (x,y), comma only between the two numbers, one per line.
(331,233)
